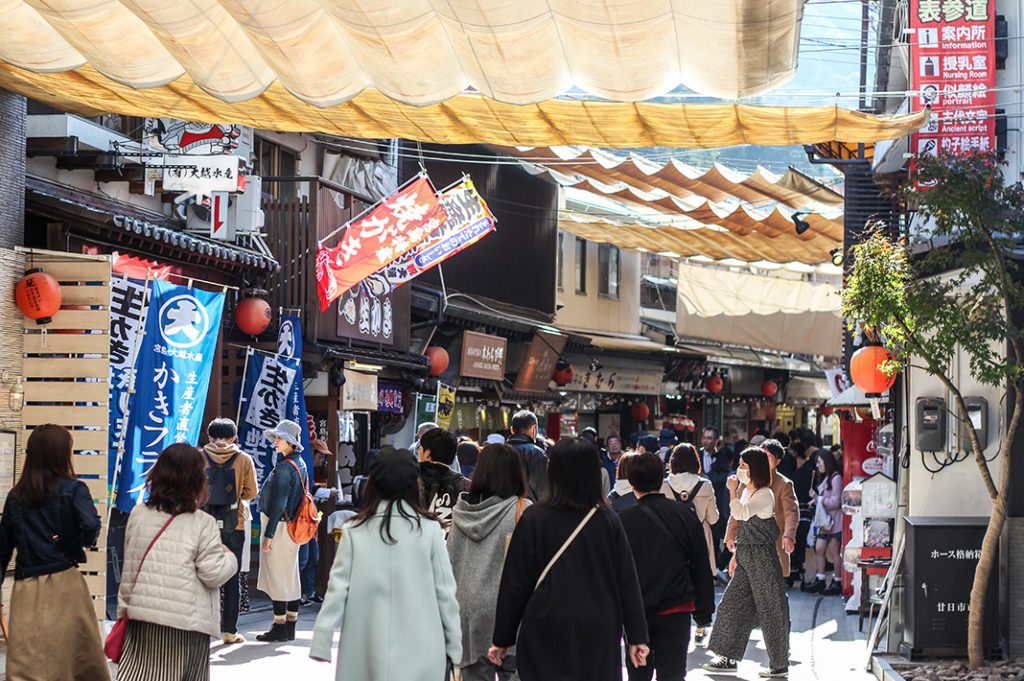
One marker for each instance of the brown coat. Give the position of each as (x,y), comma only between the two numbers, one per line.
(787,515)
(245,477)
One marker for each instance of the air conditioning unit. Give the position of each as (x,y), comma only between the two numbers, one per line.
(244,214)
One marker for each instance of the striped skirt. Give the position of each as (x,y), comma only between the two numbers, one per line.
(154,652)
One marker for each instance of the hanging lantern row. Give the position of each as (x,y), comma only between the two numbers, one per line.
(438,357)
(866,369)
(38,296)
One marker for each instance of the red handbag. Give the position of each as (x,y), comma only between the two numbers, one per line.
(114,645)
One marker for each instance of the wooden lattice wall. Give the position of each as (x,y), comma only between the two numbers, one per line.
(67,376)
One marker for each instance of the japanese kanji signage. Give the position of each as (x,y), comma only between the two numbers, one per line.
(539,364)
(953,65)
(483,356)
(614,380)
(468,221)
(389,398)
(398,224)
(445,405)
(366,317)
(203,174)
(171,380)
(359,392)
(127,303)
(273,391)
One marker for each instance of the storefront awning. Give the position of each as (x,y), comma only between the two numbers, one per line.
(760,311)
(465,119)
(800,390)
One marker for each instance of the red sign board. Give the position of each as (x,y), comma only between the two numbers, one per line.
(952,59)
(397,225)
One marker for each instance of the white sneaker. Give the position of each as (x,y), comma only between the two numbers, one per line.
(230,638)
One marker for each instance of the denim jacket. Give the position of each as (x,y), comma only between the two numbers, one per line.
(67,511)
(282,492)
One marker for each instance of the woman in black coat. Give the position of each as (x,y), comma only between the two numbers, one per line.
(570,611)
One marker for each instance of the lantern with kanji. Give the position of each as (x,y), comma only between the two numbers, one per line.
(866,369)
(563,373)
(438,357)
(640,412)
(252,316)
(769,388)
(38,296)
(714,384)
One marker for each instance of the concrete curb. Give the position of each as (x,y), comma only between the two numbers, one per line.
(882,670)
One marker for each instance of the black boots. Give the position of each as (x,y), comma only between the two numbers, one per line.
(278,632)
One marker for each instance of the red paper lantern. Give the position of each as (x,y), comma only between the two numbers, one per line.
(38,296)
(825,410)
(769,388)
(640,412)
(714,384)
(438,357)
(562,376)
(253,316)
(865,371)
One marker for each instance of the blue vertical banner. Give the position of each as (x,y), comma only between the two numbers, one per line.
(273,391)
(127,307)
(172,379)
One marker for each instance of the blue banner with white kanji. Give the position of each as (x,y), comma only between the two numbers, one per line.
(172,378)
(127,305)
(273,391)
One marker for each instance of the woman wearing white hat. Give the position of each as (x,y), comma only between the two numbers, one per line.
(279,559)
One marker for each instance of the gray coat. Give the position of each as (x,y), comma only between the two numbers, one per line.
(476,546)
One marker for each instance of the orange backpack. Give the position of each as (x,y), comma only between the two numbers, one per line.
(302,528)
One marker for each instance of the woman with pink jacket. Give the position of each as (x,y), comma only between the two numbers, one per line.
(828,523)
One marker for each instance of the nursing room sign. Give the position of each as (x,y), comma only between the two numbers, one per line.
(953,65)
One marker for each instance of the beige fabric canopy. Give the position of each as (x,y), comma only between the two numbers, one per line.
(638,179)
(762,312)
(417,52)
(464,119)
(718,244)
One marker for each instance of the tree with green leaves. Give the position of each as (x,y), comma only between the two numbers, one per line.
(954,288)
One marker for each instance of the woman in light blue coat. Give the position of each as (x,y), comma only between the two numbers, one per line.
(391,588)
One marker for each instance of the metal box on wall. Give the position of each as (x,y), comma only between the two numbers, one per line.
(941,556)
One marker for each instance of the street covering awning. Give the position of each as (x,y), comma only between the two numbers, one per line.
(414,51)
(780,246)
(465,119)
(766,312)
(638,179)
(804,390)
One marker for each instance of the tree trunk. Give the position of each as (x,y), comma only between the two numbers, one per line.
(976,620)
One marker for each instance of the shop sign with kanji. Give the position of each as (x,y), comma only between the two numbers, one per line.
(953,66)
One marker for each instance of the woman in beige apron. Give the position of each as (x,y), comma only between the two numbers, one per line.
(279,555)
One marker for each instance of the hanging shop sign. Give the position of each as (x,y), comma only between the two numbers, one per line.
(203,175)
(127,304)
(171,380)
(389,398)
(366,317)
(426,409)
(188,137)
(539,364)
(445,405)
(359,392)
(396,225)
(467,221)
(615,380)
(483,356)
(952,56)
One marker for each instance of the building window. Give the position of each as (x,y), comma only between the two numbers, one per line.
(273,160)
(608,270)
(581,265)
(559,259)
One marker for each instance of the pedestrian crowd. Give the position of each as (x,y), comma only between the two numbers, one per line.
(518,559)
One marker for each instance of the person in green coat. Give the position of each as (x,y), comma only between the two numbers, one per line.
(391,588)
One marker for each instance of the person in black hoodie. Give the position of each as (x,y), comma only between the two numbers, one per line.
(535,461)
(664,532)
(441,485)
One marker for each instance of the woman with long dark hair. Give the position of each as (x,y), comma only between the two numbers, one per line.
(756,594)
(49,517)
(569,587)
(391,588)
(174,564)
(828,522)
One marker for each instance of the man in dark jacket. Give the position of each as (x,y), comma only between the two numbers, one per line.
(717,464)
(535,461)
(664,532)
(441,485)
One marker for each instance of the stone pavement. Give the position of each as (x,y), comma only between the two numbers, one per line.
(825,645)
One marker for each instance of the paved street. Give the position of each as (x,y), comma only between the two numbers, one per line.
(826,646)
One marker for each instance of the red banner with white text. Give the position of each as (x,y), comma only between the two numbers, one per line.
(952,59)
(396,225)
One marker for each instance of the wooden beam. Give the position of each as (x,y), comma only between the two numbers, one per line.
(51,146)
(70,343)
(125,174)
(58,367)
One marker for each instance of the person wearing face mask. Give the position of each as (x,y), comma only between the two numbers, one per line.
(787,511)
(756,594)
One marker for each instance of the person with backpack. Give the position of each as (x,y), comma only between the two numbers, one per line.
(231,482)
(670,553)
(440,485)
(693,489)
(282,493)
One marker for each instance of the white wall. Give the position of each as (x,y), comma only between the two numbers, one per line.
(592,310)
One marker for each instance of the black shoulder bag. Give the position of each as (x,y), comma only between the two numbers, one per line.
(663,527)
